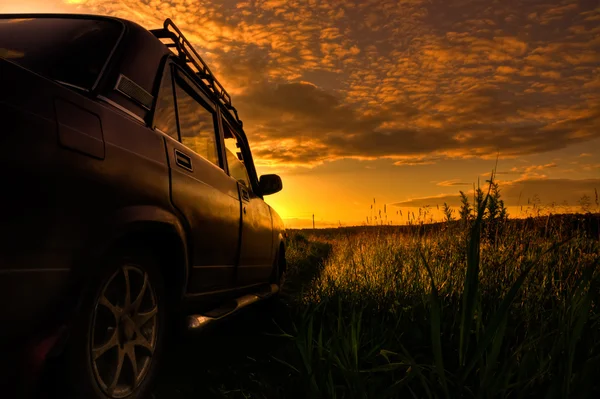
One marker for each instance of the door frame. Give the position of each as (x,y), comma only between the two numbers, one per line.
(181,77)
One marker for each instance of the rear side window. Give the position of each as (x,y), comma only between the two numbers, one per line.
(68,50)
(164,116)
(196,123)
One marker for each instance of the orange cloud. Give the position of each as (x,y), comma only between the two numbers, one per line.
(452,183)
(515,193)
(410,81)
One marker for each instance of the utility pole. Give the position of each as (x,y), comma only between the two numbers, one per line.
(313,221)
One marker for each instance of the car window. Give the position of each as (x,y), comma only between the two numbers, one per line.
(235,157)
(165,118)
(68,50)
(196,123)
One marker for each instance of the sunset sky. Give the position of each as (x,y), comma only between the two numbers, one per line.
(404,101)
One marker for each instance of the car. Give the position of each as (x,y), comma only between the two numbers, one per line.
(130,204)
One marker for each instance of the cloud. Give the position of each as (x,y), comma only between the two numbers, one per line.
(415,160)
(302,113)
(591,167)
(413,81)
(532,171)
(506,70)
(518,192)
(431,201)
(450,183)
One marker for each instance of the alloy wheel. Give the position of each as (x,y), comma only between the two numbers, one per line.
(124,331)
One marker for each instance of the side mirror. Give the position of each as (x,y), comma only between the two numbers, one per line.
(270,184)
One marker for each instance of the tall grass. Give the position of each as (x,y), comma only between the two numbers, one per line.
(453,313)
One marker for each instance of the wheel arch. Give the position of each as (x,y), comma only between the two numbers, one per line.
(151,228)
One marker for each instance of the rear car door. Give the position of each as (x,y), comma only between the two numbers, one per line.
(200,189)
(256,252)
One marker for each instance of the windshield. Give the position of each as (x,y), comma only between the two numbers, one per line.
(67,50)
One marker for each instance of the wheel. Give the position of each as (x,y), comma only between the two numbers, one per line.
(116,343)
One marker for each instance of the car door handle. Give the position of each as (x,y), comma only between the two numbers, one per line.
(183,160)
(244,193)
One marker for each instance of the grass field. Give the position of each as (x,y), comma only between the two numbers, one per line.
(463,310)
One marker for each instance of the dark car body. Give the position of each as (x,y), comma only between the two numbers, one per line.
(91,154)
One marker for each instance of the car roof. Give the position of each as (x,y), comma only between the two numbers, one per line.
(140,54)
(137,53)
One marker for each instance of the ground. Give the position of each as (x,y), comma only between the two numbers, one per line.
(480,309)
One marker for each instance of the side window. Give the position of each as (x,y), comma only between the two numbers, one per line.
(164,115)
(235,158)
(196,123)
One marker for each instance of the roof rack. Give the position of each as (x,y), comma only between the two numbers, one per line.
(188,54)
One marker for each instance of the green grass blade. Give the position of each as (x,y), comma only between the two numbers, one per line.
(582,310)
(471,284)
(285,364)
(320,343)
(492,359)
(436,330)
(502,311)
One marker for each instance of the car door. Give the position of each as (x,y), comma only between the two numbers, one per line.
(204,194)
(256,251)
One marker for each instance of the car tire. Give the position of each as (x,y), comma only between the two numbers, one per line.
(116,342)
(279,271)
